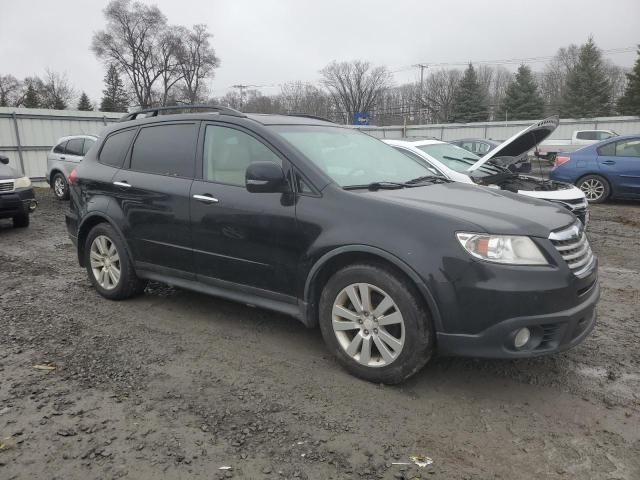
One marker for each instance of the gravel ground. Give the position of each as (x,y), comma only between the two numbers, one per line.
(174,384)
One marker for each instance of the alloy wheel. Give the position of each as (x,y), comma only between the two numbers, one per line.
(105,262)
(368,325)
(593,189)
(58,186)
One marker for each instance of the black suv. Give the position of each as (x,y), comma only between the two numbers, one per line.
(335,228)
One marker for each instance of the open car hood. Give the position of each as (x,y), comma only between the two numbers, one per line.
(520,143)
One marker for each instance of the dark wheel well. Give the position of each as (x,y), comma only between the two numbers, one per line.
(84,231)
(53,172)
(342,260)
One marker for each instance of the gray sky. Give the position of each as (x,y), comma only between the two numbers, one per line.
(265,42)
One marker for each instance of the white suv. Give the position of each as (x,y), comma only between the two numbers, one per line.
(63,158)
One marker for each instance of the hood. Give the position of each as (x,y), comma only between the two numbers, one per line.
(488,210)
(521,142)
(7,172)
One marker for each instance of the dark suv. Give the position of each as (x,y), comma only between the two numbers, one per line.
(333,227)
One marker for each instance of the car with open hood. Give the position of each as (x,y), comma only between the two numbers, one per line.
(17,199)
(333,227)
(492,170)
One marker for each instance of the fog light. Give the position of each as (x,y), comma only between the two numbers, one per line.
(32,205)
(522,337)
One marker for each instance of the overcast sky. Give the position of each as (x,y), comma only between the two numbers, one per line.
(266,42)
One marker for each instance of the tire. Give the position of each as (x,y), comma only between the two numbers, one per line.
(21,221)
(60,186)
(414,332)
(101,243)
(595,188)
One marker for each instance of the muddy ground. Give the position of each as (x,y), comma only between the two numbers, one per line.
(176,384)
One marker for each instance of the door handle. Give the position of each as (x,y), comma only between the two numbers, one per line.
(63,158)
(608,162)
(206,198)
(122,184)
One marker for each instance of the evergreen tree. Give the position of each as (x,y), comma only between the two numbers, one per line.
(469,103)
(522,100)
(629,102)
(85,104)
(115,98)
(588,92)
(31,98)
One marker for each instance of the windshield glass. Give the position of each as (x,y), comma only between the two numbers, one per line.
(351,157)
(456,158)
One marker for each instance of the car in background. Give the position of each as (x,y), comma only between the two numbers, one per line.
(608,169)
(67,153)
(482,146)
(17,199)
(550,149)
(492,170)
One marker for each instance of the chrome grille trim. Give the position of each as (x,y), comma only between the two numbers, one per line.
(6,185)
(573,245)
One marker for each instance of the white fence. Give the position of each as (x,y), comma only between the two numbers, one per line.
(27,134)
(503,130)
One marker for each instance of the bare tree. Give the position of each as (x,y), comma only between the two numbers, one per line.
(196,61)
(440,91)
(300,97)
(354,86)
(168,65)
(10,91)
(130,41)
(54,90)
(554,77)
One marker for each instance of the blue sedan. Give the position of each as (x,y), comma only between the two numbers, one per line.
(607,169)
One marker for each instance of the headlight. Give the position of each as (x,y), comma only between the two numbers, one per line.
(22,182)
(508,249)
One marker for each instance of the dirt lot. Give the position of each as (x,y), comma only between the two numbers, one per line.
(175,384)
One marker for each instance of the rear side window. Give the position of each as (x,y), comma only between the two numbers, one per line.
(166,150)
(228,152)
(88,143)
(586,135)
(115,148)
(60,147)
(74,146)
(607,150)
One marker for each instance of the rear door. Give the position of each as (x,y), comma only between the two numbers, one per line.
(620,161)
(241,237)
(153,195)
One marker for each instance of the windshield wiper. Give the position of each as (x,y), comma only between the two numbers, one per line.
(463,159)
(428,178)
(377,186)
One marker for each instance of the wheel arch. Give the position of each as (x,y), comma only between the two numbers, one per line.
(598,174)
(340,257)
(87,224)
(53,172)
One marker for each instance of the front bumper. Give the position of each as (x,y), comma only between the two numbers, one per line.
(551,333)
(18,202)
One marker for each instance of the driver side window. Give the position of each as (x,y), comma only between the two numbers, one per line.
(228,152)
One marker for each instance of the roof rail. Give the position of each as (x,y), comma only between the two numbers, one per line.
(155,111)
(306,115)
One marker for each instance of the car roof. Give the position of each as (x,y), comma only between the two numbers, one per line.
(69,137)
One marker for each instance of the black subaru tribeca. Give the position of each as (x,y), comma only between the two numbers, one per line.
(335,228)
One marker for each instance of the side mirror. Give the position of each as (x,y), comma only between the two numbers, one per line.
(266,177)
(4,160)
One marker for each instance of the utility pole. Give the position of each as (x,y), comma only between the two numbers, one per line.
(422,67)
(241,88)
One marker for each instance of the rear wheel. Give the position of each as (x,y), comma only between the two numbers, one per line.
(59,186)
(595,188)
(375,324)
(109,265)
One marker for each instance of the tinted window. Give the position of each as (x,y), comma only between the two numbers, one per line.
(60,147)
(74,146)
(88,143)
(586,135)
(228,153)
(165,150)
(607,150)
(115,148)
(628,148)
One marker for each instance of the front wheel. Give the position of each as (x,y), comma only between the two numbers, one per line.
(109,265)
(60,186)
(375,324)
(595,188)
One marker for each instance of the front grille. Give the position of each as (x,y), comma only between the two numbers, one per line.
(573,246)
(6,185)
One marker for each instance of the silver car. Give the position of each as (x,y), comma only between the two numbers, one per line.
(63,158)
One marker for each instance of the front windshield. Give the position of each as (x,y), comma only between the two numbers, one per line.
(456,158)
(350,157)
